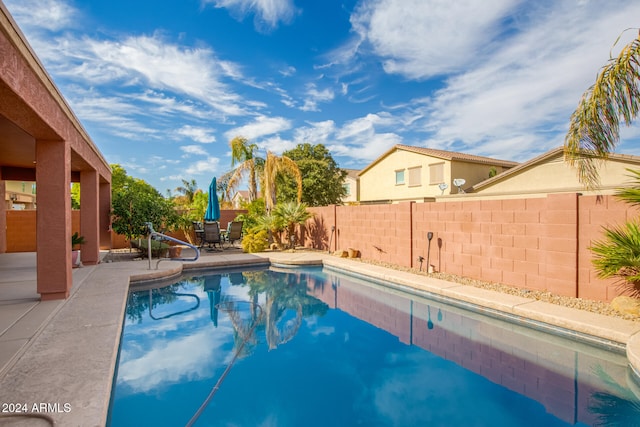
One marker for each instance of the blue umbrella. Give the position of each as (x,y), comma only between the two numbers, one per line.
(213,207)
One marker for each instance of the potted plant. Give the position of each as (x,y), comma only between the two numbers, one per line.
(175,251)
(76,240)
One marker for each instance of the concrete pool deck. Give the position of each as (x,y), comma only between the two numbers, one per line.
(58,357)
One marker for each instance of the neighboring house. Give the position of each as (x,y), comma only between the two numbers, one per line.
(240,198)
(20,195)
(407,173)
(351,184)
(549,173)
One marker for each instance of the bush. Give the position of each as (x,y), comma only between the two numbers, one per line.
(255,241)
(158,249)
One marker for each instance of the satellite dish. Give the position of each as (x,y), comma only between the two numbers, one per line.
(459,182)
(443,186)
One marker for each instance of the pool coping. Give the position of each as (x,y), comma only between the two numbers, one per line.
(70,362)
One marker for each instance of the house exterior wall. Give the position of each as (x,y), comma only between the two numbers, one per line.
(555,175)
(538,243)
(19,195)
(379,182)
(353,190)
(472,173)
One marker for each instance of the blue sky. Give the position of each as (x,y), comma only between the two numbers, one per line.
(163,86)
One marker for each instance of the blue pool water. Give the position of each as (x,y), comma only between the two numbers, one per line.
(307,347)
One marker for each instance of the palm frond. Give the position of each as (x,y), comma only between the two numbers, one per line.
(594,129)
(631,194)
(273,166)
(618,255)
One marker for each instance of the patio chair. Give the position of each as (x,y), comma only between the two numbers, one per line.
(198,231)
(211,236)
(234,231)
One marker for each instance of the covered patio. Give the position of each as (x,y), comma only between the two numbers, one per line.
(42,140)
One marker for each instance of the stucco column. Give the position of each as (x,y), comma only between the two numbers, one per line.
(89,217)
(3,219)
(105,215)
(53,219)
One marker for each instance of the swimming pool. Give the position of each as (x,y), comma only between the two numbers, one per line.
(272,347)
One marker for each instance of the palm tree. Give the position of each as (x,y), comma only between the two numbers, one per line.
(593,134)
(245,154)
(188,190)
(273,166)
(618,254)
(594,131)
(290,214)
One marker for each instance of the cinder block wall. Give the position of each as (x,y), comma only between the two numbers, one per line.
(533,243)
(21,229)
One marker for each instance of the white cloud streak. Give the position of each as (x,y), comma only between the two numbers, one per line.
(261,126)
(419,38)
(51,15)
(268,13)
(198,134)
(517,73)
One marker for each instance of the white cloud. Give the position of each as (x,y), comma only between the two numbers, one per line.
(418,38)
(276,145)
(268,13)
(521,97)
(261,126)
(198,134)
(51,15)
(203,167)
(518,72)
(150,61)
(313,96)
(366,125)
(288,71)
(366,146)
(195,72)
(315,133)
(194,149)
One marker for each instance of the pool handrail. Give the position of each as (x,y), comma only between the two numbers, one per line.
(153,233)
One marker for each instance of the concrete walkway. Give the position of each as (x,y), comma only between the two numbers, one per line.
(63,353)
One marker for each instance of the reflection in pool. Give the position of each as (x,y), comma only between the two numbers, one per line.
(315,348)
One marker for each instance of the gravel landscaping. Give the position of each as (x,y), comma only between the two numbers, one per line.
(578,303)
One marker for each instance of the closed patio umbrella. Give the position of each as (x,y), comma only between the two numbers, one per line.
(213,207)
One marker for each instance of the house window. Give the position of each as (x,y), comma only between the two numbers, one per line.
(347,189)
(436,173)
(400,177)
(415,176)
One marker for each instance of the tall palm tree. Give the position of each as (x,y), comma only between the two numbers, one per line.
(188,190)
(595,125)
(244,154)
(273,166)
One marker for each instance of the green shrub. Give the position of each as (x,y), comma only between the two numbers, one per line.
(158,249)
(255,241)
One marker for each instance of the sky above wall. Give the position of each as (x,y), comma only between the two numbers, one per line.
(163,86)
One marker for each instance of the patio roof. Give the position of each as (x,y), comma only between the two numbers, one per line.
(42,140)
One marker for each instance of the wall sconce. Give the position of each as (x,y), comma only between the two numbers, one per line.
(13,197)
